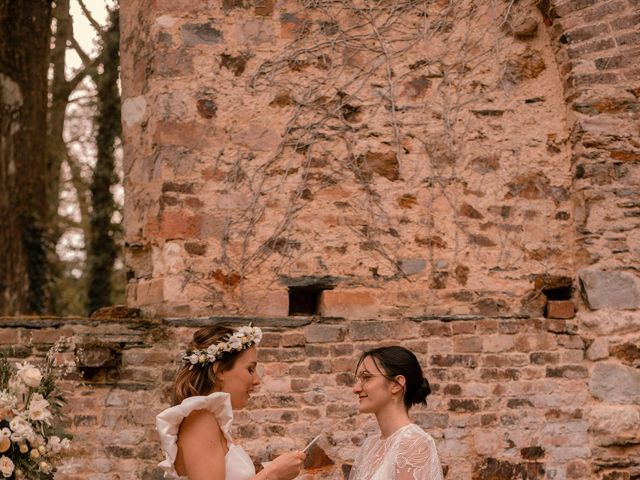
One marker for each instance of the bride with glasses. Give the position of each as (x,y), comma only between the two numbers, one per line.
(389,381)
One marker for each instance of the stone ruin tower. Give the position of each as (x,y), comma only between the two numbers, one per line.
(460,177)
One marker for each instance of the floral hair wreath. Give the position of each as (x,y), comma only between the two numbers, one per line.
(239,340)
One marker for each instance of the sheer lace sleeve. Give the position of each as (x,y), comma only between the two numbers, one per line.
(417,457)
(357,464)
(408,454)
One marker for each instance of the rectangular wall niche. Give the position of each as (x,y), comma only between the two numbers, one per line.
(305,300)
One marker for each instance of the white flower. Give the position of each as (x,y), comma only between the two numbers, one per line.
(5,439)
(8,403)
(213,350)
(22,430)
(29,375)
(6,466)
(238,341)
(244,332)
(39,408)
(18,390)
(7,400)
(257,335)
(234,342)
(44,467)
(54,445)
(65,444)
(37,441)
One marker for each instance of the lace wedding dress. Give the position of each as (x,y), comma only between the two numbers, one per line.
(408,454)
(238,465)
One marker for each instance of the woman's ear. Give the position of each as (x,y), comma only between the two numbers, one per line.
(399,385)
(218,374)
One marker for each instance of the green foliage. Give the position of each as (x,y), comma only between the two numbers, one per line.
(33,240)
(102,250)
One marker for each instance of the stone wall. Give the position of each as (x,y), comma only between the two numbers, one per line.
(406,159)
(457,176)
(513,398)
(425,158)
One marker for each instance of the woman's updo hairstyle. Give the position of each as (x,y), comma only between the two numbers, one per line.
(395,360)
(194,380)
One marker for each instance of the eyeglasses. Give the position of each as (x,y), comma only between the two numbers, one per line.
(364,377)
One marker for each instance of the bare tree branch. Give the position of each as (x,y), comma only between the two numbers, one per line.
(89,66)
(86,60)
(92,21)
(81,188)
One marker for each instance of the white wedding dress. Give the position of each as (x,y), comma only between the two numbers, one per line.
(238,465)
(408,454)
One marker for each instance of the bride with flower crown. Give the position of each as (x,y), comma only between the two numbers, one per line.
(217,377)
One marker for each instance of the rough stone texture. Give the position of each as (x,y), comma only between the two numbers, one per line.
(513,397)
(615,383)
(292,140)
(450,167)
(618,290)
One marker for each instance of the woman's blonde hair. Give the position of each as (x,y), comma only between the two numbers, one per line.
(193,380)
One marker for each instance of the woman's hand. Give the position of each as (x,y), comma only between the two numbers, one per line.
(285,467)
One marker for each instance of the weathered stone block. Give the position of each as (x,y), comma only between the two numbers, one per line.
(411,266)
(467,344)
(8,336)
(257,32)
(498,343)
(614,383)
(493,469)
(370,330)
(293,340)
(321,333)
(598,350)
(257,137)
(319,366)
(268,304)
(540,358)
(609,289)
(201,34)
(560,309)
(49,335)
(349,304)
(577,469)
(264,8)
(134,110)
(567,371)
(628,353)
(469,361)
(614,425)
(464,405)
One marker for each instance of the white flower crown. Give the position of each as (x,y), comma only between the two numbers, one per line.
(242,339)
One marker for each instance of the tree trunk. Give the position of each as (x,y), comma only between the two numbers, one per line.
(56,148)
(102,247)
(24,60)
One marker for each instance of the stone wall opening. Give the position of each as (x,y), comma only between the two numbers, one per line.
(305,300)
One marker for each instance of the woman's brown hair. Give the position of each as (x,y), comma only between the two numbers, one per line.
(193,380)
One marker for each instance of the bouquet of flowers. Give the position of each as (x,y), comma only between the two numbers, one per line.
(29,402)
